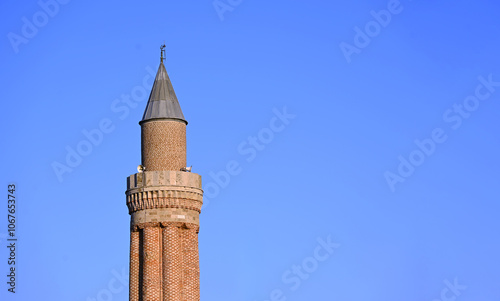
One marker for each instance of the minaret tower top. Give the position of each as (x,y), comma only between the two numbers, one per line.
(163,126)
(162,102)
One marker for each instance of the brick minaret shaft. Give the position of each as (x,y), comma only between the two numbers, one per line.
(164,203)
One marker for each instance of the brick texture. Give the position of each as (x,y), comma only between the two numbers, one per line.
(163,145)
(191,271)
(151,290)
(172,264)
(134,266)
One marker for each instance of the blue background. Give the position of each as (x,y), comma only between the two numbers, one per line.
(322,176)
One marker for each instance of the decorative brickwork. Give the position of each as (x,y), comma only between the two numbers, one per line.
(134,266)
(172,264)
(168,255)
(151,272)
(163,144)
(191,275)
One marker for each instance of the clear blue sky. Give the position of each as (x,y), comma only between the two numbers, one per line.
(391,156)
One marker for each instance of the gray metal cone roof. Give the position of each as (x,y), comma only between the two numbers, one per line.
(162,101)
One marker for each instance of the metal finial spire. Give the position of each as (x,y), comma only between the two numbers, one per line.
(162,102)
(162,48)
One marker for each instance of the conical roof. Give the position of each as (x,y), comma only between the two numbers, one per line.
(162,103)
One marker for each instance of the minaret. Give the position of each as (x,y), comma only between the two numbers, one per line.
(164,200)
